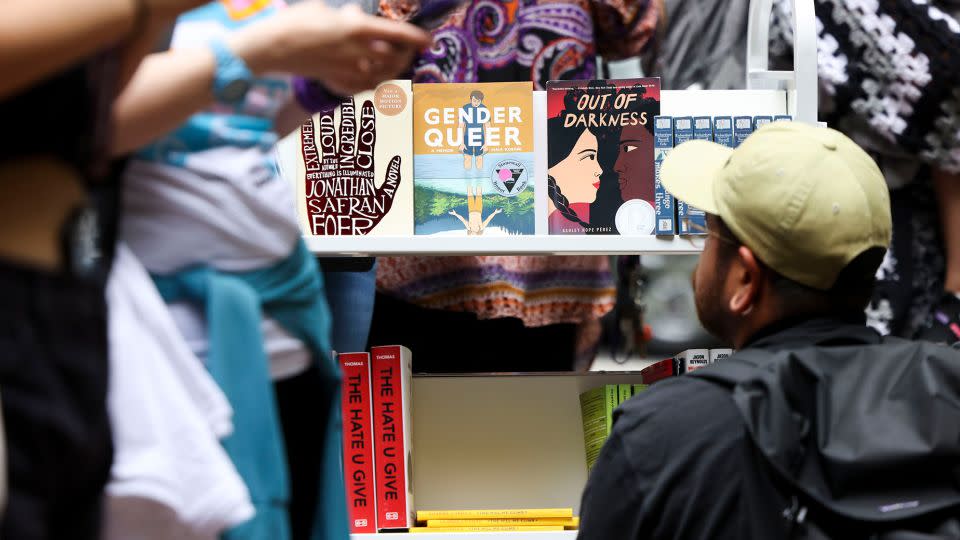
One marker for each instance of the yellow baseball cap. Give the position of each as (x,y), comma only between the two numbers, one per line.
(806,200)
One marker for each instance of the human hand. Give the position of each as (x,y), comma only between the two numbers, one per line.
(342,196)
(346,49)
(169,9)
(497,211)
(463,147)
(483,150)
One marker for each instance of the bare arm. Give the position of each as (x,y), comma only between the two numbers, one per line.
(458,216)
(490,217)
(169,87)
(41,37)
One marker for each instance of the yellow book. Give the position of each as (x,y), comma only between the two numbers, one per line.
(515,522)
(486,529)
(426,515)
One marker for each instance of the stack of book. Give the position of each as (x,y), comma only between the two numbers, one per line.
(596,411)
(511,520)
(377,435)
(685,362)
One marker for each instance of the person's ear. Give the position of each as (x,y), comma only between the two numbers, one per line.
(748,279)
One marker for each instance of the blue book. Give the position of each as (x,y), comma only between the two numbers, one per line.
(783,118)
(742,128)
(692,220)
(760,121)
(663,200)
(703,128)
(682,132)
(723,130)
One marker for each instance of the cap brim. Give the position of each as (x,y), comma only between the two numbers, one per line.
(689,171)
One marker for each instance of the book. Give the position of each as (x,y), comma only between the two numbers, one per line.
(596,412)
(742,128)
(658,371)
(504,522)
(692,220)
(720,354)
(507,528)
(473,153)
(511,513)
(682,132)
(358,447)
(353,167)
(624,392)
(663,201)
(723,131)
(391,371)
(692,359)
(637,388)
(783,118)
(600,156)
(760,121)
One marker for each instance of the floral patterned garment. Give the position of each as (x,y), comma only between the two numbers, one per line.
(517,40)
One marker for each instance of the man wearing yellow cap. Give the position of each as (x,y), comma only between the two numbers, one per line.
(799,220)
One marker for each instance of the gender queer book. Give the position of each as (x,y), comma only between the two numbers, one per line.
(601,177)
(663,200)
(352,167)
(473,159)
(357,411)
(391,370)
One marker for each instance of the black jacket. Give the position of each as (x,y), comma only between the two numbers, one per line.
(680,463)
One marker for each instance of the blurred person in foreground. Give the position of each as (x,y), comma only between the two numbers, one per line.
(799,219)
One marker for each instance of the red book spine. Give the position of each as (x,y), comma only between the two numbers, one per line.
(358,443)
(391,395)
(657,371)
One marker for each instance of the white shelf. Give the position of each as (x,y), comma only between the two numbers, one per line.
(503,245)
(531,535)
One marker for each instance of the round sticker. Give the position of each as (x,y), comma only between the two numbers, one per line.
(635,217)
(509,178)
(389,99)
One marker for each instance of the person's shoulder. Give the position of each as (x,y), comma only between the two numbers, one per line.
(675,408)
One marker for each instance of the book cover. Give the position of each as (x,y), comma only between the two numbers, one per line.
(473,159)
(600,156)
(353,166)
(720,354)
(692,360)
(624,392)
(760,121)
(658,371)
(507,528)
(426,515)
(783,118)
(742,128)
(596,410)
(391,370)
(504,522)
(692,220)
(663,201)
(723,131)
(357,411)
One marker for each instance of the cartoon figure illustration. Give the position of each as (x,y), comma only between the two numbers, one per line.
(573,177)
(473,130)
(474,225)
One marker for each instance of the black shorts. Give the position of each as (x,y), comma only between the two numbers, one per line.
(53,392)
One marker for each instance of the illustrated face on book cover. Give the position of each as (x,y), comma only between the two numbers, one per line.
(636,146)
(574,174)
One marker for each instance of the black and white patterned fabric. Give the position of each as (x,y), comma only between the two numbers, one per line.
(893,63)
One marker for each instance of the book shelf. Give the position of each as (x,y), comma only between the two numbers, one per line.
(502,441)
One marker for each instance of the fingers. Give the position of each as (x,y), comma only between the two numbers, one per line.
(367,140)
(348,130)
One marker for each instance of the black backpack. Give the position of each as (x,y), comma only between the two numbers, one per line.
(862,440)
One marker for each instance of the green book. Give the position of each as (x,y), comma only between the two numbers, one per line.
(596,411)
(637,388)
(625,391)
